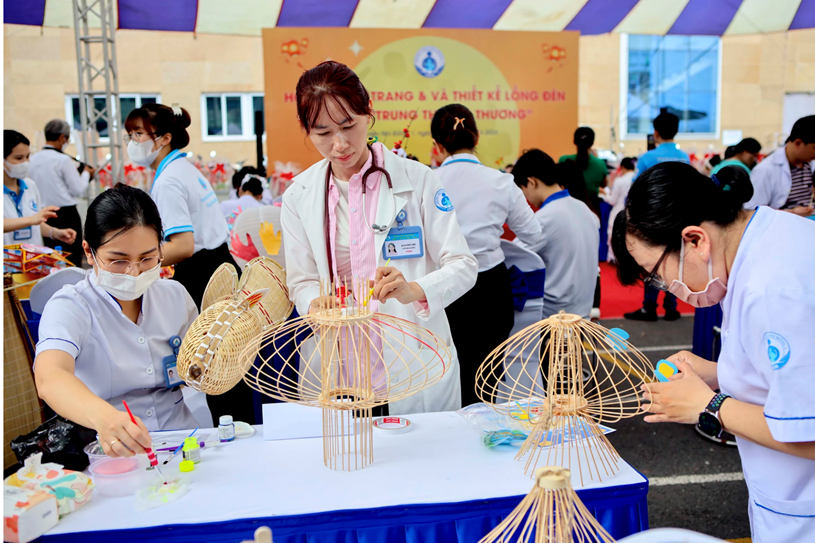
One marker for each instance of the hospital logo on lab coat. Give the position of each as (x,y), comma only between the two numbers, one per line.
(429,61)
(443,201)
(33,205)
(778,349)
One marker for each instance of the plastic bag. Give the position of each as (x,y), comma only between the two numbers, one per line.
(495,429)
(59,440)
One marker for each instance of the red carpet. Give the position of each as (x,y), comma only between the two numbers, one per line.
(617,299)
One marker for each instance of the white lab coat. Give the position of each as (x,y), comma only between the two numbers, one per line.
(446,272)
(772,181)
(766,360)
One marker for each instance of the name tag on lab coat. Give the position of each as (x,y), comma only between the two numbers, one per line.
(23,233)
(403,242)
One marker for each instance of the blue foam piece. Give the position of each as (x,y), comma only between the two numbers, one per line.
(659,375)
(615,341)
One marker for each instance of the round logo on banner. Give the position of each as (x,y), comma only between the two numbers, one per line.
(429,61)
(443,201)
(778,350)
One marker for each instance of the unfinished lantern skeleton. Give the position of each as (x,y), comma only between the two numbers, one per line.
(588,376)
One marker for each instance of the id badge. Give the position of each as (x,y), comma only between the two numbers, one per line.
(403,242)
(24,233)
(170,363)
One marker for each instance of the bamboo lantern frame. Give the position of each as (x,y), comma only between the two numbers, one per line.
(260,272)
(551,513)
(345,359)
(593,377)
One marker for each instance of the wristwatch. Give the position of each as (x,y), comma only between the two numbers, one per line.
(709,420)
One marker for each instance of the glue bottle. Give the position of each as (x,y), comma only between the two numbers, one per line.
(226,428)
(191,450)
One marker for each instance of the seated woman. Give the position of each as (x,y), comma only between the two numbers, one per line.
(107,338)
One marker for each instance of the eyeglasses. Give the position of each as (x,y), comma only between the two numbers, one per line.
(653,279)
(136,136)
(124,266)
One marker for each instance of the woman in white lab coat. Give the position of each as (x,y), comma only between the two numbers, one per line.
(688,234)
(485,200)
(616,194)
(338,215)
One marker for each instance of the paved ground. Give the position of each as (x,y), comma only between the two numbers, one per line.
(694,484)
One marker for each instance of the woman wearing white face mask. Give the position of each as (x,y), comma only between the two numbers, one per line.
(688,234)
(111,337)
(195,230)
(23,214)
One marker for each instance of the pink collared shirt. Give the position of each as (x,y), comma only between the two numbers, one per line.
(362,242)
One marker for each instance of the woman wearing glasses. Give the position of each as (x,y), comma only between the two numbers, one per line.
(689,234)
(195,230)
(108,338)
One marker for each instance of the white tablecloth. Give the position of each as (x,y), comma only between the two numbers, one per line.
(440,461)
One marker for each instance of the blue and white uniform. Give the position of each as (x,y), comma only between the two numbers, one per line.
(22,204)
(568,246)
(116,358)
(665,152)
(768,359)
(187,203)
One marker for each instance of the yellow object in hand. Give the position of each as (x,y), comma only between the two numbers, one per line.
(271,241)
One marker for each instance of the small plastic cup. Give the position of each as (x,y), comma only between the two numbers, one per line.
(117,477)
(95,452)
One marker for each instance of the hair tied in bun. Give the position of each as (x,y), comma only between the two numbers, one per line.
(718,183)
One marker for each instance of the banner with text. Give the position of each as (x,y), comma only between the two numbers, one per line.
(521,86)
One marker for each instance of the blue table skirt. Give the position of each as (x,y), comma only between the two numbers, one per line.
(622,510)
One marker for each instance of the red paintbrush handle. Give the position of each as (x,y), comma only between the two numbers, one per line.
(152,457)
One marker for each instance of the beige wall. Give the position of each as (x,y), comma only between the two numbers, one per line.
(757,71)
(40,69)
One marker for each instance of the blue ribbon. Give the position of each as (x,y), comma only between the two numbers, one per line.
(525,286)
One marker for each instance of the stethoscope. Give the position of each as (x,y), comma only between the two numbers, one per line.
(374,228)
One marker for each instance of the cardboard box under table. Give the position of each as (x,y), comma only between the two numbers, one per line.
(434,483)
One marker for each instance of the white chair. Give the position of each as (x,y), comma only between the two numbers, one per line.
(526,261)
(51,284)
(248,223)
(670,535)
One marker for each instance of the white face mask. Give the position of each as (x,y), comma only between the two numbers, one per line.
(126,287)
(16,171)
(142,153)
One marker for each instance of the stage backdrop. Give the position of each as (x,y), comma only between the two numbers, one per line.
(521,86)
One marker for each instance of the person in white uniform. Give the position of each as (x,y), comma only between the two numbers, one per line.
(195,230)
(112,336)
(331,229)
(23,213)
(570,236)
(250,195)
(616,194)
(61,180)
(783,180)
(689,234)
(485,199)
(240,176)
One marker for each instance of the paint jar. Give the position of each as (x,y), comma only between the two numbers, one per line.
(191,450)
(226,428)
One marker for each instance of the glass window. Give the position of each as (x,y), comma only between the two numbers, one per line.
(128,105)
(257,105)
(214,120)
(234,121)
(676,73)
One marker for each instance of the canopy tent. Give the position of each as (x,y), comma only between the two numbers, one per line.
(248,17)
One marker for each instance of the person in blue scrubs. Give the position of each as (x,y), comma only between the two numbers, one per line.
(690,235)
(666,125)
